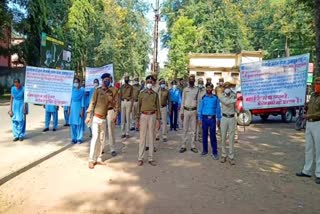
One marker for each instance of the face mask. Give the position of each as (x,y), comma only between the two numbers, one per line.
(174,86)
(209,91)
(227,92)
(163,85)
(149,85)
(317,88)
(76,85)
(200,85)
(106,83)
(136,82)
(191,83)
(96,84)
(126,81)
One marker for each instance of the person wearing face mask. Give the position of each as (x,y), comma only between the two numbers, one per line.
(136,90)
(17,111)
(175,102)
(126,96)
(312,135)
(188,113)
(164,97)
(76,112)
(148,119)
(209,80)
(209,115)
(220,89)
(228,123)
(202,92)
(98,111)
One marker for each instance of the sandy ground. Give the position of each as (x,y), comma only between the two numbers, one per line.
(262,181)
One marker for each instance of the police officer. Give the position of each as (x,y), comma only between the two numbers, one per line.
(113,110)
(208,80)
(136,90)
(312,134)
(98,109)
(164,102)
(220,89)
(202,92)
(209,116)
(189,114)
(228,122)
(126,96)
(148,118)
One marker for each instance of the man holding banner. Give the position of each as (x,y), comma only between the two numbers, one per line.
(126,96)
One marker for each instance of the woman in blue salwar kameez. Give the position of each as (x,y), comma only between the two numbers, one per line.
(76,112)
(18,110)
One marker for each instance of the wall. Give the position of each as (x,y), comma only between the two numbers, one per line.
(7,75)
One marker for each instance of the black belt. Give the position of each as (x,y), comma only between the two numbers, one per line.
(314,120)
(209,116)
(148,112)
(136,100)
(111,108)
(228,115)
(125,99)
(190,109)
(163,106)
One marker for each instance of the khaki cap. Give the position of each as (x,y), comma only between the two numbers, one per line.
(229,84)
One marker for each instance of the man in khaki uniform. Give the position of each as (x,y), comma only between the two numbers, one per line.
(136,90)
(228,106)
(98,108)
(219,89)
(148,119)
(208,80)
(312,134)
(126,96)
(113,110)
(202,92)
(164,102)
(188,112)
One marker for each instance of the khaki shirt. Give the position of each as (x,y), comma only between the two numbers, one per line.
(164,97)
(136,91)
(148,103)
(189,98)
(202,92)
(99,102)
(156,88)
(126,92)
(228,104)
(114,97)
(219,91)
(314,107)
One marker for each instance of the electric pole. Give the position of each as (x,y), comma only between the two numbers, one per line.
(156,37)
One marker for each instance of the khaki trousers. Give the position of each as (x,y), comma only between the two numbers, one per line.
(125,116)
(98,138)
(189,127)
(199,133)
(147,127)
(312,147)
(111,129)
(228,128)
(164,126)
(134,109)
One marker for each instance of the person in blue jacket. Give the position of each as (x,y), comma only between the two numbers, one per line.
(209,115)
(18,110)
(76,112)
(176,96)
(51,110)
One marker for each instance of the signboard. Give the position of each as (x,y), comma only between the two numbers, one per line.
(95,73)
(54,53)
(48,86)
(310,74)
(274,83)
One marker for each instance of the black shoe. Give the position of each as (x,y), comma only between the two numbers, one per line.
(68,125)
(175,129)
(132,129)
(123,136)
(21,139)
(15,139)
(195,150)
(182,150)
(114,153)
(65,125)
(317,180)
(157,139)
(147,148)
(45,130)
(301,174)
(137,129)
(54,130)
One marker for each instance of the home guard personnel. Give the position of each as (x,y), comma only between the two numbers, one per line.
(98,108)
(126,96)
(312,134)
(220,89)
(189,114)
(209,116)
(136,90)
(164,102)
(202,92)
(228,123)
(148,119)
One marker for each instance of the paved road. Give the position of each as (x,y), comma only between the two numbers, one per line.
(262,181)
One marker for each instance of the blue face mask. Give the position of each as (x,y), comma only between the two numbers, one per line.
(106,83)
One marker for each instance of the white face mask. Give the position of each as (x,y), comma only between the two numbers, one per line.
(136,82)
(227,91)
(76,85)
(96,84)
(174,86)
(200,85)
(163,85)
(149,85)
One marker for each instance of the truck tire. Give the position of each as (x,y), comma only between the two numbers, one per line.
(264,117)
(244,118)
(287,116)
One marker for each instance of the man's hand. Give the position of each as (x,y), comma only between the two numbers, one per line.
(88,120)
(158,125)
(182,117)
(10,113)
(218,124)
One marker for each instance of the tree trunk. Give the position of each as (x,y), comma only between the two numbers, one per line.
(317,28)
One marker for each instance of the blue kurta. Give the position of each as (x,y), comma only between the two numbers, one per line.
(76,107)
(18,118)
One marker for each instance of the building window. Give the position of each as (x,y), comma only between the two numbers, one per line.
(218,74)
(200,74)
